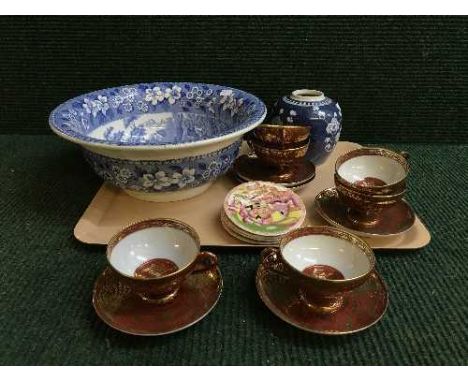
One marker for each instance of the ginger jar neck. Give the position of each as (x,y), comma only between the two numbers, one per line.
(307,95)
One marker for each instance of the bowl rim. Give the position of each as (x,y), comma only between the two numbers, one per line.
(170,146)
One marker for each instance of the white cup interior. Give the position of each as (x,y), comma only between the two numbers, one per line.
(306,251)
(153,243)
(375,166)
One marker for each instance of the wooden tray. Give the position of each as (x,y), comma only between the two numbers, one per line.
(112,209)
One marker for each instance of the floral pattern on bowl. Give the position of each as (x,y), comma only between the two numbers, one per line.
(264,208)
(165,175)
(161,141)
(152,114)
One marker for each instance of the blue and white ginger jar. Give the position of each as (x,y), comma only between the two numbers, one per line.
(311,108)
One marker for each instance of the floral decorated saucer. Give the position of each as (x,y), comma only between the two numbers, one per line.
(245,236)
(263,209)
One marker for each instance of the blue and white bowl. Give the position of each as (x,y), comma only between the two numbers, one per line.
(161,141)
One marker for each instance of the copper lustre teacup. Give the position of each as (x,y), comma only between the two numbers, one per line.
(281,135)
(280,158)
(323,263)
(369,180)
(154,257)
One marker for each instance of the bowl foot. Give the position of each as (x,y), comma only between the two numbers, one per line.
(170,196)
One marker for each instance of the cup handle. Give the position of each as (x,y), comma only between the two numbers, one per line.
(204,261)
(248,138)
(405,154)
(270,260)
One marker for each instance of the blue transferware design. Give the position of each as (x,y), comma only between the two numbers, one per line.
(164,175)
(156,114)
(311,108)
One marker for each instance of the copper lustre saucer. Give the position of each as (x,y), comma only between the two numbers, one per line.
(122,309)
(361,308)
(249,168)
(392,221)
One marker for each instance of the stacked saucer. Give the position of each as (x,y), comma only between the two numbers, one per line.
(367,199)
(261,212)
(278,156)
(247,168)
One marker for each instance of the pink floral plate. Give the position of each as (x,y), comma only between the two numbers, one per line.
(246,236)
(264,208)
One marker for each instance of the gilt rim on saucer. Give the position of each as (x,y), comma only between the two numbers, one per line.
(118,314)
(328,203)
(374,289)
(292,186)
(248,175)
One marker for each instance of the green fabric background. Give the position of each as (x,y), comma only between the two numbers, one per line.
(402,82)
(397,79)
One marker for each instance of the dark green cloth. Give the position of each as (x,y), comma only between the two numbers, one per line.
(47,278)
(397,79)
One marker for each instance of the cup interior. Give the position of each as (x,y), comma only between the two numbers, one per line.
(379,167)
(319,249)
(140,247)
